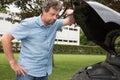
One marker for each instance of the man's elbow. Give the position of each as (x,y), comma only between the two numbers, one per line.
(6,38)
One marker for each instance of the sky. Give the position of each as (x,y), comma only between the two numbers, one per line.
(12,8)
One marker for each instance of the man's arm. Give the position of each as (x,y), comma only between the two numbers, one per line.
(69,20)
(7,47)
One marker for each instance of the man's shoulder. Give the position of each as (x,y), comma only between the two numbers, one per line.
(30,19)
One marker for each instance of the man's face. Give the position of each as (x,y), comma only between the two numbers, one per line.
(50,16)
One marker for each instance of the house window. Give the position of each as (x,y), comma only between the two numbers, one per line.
(75,30)
(55,39)
(72,41)
(60,40)
(65,41)
(75,41)
(71,29)
(65,28)
(1,18)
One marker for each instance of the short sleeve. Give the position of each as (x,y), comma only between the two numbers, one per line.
(20,31)
(59,24)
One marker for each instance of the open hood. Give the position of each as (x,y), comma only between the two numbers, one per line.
(100,23)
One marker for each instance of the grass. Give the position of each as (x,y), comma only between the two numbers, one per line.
(65,65)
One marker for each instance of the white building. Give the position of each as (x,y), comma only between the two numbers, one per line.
(69,35)
(5,25)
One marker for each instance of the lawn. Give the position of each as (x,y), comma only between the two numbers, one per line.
(65,65)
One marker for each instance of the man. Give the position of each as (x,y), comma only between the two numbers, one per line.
(37,35)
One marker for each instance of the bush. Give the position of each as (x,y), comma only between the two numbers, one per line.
(15,46)
(1,49)
(65,49)
(82,49)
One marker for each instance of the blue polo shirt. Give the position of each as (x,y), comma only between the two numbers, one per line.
(37,44)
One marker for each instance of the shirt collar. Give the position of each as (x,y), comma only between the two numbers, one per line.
(40,21)
(41,24)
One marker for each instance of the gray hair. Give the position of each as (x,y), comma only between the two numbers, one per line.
(55,4)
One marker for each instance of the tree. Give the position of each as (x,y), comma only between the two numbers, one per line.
(3,10)
(114,4)
(30,8)
(84,40)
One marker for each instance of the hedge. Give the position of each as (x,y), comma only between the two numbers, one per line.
(65,49)
(82,49)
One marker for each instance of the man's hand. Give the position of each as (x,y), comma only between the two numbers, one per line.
(69,12)
(17,68)
(69,20)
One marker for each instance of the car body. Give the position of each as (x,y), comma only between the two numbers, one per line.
(100,23)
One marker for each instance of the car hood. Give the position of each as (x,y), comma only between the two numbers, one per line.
(100,23)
